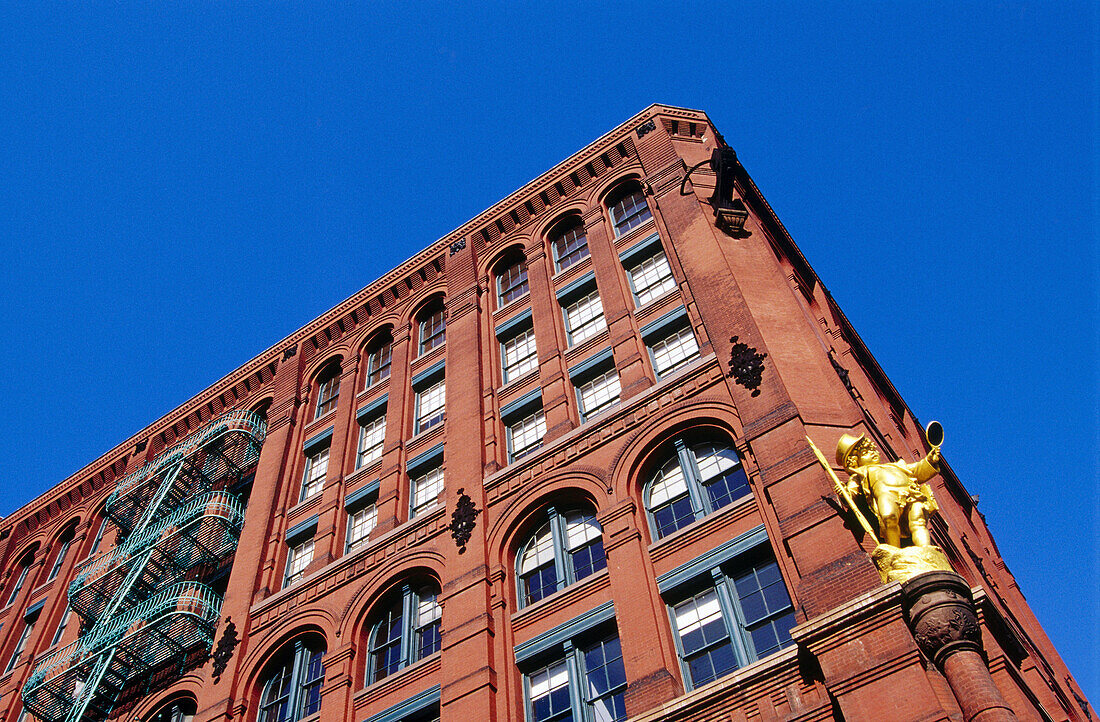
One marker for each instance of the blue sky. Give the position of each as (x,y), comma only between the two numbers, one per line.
(187,183)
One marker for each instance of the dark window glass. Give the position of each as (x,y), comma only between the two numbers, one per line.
(693,482)
(292,689)
(328,395)
(407,631)
(566,549)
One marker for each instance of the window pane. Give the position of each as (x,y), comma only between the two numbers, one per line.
(570,247)
(316,468)
(426,490)
(599,393)
(519,355)
(513,282)
(722,474)
(605,680)
(428,615)
(371,437)
(360,525)
(549,689)
(699,621)
(584,541)
(584,318)
(630,212)
(652,278)
(328,395)
(433,330)
(298,558)
(430,404)
(378,363)
(674,351)
(385,649)
(536,566)
(526,435)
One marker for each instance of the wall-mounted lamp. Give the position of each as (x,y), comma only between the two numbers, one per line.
(730,212)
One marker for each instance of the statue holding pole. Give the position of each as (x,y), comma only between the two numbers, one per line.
(900,498)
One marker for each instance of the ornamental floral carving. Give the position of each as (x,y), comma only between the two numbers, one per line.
(462,520)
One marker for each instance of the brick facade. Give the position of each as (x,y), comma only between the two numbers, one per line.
(849,654)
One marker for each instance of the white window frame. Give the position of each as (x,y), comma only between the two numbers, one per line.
(531,425)
(426,479)
(361,521)
(684,349)
(518,354)
(298,558)
(580,323)
(428,393)
(654,270)
(592,385)
(313,478)
(372,438)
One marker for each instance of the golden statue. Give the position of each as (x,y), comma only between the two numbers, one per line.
(899,496)
(895,491)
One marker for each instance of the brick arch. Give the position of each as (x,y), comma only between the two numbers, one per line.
(417,302)
(515,519)
(627,478)
(576,209)
(363,339)
(359,608)
(334,356)
(71,522)
(515,245)
(609,186)
(187,687)
(307,623)
(31,545)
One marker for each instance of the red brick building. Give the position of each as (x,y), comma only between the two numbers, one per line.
(554,465)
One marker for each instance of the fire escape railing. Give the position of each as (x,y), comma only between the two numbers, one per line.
(140,606)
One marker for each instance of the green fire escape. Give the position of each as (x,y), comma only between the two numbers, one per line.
(141,603)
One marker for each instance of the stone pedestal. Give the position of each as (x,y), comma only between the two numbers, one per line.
(940,611)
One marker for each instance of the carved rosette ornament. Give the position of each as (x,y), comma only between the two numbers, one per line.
(746,365)
(939,608)
(462,520)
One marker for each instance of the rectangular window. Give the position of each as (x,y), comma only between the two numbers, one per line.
(598,393)
(98,538)
(328,396)
(360,524)
(518,355)
(584,317)
(61,628)
(525,435)
(378,363)
(651,278)
(372,433)
(743,614)
(21,645)
(316,468)
(553,692)
(297,559)
(430,406)
(426,489)
(673,351)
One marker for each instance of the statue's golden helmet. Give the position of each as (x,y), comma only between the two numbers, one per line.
(847,445)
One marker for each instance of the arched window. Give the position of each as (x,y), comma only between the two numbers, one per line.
(570,243)
(24,569)
(511,279)
(564,550)
(696,480)
(178,710)
(329,384)
(628,209)
(292,682)
(66,542)
(378,359)
(433,326)
(406,631)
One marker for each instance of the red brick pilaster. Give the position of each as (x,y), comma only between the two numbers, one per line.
(328,537)
(550,340)
(392,492)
